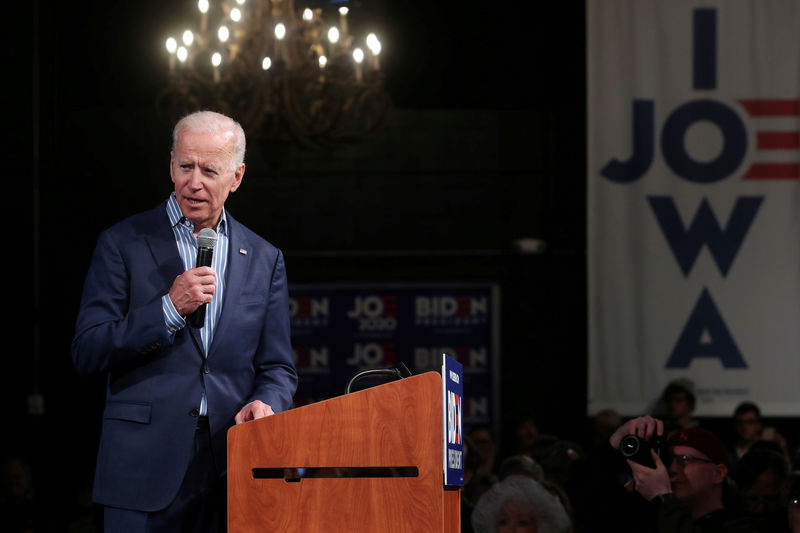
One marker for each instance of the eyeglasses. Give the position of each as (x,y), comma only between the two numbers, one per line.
(684,460)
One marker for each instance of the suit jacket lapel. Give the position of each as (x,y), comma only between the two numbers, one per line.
(238,263)
(161,240)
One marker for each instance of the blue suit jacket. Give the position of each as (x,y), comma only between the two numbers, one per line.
(154,381)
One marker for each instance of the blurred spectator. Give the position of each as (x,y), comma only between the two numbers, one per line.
(604,423)
(522,465)
(678,402)
(760,477)
(18,513)
(526,432)
(484,444)
(750,429)
(519,504)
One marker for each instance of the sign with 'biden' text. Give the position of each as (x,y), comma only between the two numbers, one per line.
(694,203)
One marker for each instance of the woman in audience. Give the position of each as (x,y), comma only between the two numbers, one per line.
(519,504)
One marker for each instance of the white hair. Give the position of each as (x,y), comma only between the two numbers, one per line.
(550,514)
(212,122)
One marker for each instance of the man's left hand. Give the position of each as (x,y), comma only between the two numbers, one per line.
(252,411)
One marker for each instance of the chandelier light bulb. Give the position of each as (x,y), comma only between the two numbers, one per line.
(266,63)
(373,44)
(188,38)
(323,61)
(280,31)
(333,34)
(358,55)
(236,14)
(216,59)
(223,33)
(172,45)
(183,53)
(343,10)
(202,5)
(308,15)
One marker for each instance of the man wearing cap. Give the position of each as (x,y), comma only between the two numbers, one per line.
(685,489)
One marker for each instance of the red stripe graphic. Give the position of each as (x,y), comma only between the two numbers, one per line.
(778,140)
(772,108)
(774,140)
(773,171)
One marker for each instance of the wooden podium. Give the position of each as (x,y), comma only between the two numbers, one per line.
(369,461)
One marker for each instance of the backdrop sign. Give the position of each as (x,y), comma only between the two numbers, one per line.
(340,330)
(694,203)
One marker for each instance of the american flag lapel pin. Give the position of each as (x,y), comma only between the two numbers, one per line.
(242,251)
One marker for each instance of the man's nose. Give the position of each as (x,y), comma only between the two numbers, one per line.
(196,179)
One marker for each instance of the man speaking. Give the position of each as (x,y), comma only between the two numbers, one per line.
(177,382)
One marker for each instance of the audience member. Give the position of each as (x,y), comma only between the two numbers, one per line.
(760,477)
(484,444)
(18,513)
(750,429)
(686,489)
(748,426)
(678,402)
(526,432)
(521,465)
(519,504)
(604,424)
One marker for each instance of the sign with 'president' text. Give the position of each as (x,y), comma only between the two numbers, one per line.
(694,203)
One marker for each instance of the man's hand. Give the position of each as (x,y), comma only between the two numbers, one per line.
(651,482)
(252,411)
(643,426)
(192,289)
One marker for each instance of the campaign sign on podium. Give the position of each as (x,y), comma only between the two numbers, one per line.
(452,397)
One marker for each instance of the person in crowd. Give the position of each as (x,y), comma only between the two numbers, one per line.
(760,476)
(175,386)
(526,431)
(485,445)
(678,400)
(750,429)
(519,504)
(521,465)
(686,490)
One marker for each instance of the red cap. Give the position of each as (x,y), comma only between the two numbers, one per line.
(703,441)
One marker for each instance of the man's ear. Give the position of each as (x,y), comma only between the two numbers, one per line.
(237,177)
(720,473)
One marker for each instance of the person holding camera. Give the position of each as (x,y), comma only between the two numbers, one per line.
(683,476)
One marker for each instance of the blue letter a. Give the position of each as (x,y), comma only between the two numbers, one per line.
(705,318)
(687,243)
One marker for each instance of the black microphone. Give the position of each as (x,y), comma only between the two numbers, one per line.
(206,240)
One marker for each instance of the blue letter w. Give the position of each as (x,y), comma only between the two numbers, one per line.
(687,243)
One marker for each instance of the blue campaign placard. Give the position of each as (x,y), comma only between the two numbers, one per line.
(453,402)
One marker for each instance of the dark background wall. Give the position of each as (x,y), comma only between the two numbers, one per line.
(487,146)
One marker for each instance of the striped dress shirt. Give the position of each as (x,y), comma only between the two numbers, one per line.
(186,242)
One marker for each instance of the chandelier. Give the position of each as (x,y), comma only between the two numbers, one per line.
(284,75)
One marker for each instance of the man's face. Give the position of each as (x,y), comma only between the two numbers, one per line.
(201,169)
(748,426)
(694,480)
(678,404)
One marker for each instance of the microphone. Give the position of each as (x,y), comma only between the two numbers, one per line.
(206,240)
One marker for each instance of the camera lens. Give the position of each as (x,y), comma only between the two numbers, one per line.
(629,445)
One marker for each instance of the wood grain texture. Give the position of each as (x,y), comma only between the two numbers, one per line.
(396,424)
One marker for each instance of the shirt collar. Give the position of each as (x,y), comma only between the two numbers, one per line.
(176,217)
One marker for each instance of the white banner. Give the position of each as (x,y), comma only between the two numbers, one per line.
(694,203)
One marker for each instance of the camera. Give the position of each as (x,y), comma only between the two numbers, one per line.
(638,449)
